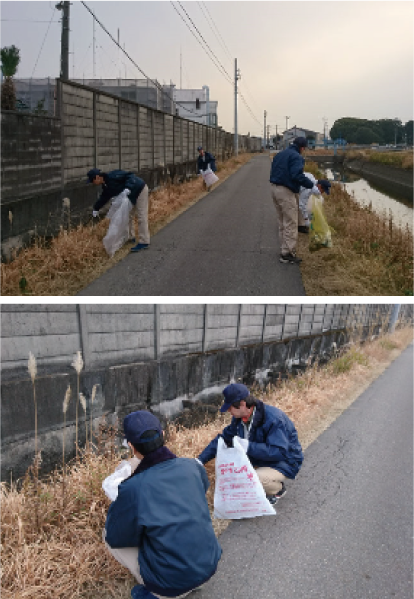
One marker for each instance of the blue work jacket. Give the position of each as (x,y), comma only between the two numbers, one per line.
(115,182)
(287,170)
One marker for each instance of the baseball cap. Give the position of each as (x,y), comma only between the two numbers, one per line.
(199,148)
(301,142)
(233,393)
(138,423)
(92,174)
(325,184)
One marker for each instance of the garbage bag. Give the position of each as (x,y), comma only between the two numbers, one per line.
(319,231)
(239,492)
(118,231)
(209,177)
(111,483)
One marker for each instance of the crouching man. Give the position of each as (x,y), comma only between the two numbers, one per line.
(159,527)
(271,440)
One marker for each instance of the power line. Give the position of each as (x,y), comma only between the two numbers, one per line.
(156,84)
(224,43)
(208,19)
(222,70)
(44,39)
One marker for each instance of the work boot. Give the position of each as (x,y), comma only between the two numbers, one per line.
(289,258)
(303,229)
(273,499)
(139,247)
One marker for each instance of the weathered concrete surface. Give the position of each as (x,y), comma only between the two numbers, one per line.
(162,386)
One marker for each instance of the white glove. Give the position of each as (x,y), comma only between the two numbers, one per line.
(315,190)
(95,213)
(127,191)
(244,443)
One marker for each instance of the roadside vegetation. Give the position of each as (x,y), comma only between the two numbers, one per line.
(370,254)
(51,526)
(75,257)
(396,159)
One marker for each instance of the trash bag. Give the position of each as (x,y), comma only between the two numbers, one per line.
(239,492)
(319,231)
(111,483)
(118,231)
(209,177)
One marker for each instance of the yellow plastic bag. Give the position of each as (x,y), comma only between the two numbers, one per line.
(319,231)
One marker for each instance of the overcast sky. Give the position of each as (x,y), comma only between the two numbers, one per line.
(304,59)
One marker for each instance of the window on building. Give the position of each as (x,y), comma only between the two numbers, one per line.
(197,104)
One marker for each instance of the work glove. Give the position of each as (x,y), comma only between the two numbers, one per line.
(316,191)
(95,213)
(127,191)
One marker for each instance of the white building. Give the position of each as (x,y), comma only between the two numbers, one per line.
(195,105)
(312,136)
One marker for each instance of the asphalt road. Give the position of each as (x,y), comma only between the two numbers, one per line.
(344,529)
(225,245)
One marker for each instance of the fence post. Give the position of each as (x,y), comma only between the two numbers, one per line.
(239,325)
(119,136)
(157,332)
(205,331)
(138,142)
(300,319)
(284,323)
(264,323)
(84,335)
(153,141)
(95,132)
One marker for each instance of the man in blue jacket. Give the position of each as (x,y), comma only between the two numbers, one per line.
(286,178)
(205,160)
(270,439)
(113,183)
(159,527)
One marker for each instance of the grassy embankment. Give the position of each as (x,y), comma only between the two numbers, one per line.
(76,257)
(370,255)
(52,528)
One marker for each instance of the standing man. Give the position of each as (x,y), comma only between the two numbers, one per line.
(271,440)
(113,183)
(286,178)
(159,527)
(205,160)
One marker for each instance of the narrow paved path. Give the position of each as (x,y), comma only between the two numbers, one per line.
(224,245)
(344,529)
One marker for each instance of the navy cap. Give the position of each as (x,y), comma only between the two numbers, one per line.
(138,423)
(233,393)
(200,148)
(301,142)
(92,174)
(326,185)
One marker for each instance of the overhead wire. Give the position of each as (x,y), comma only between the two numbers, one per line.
(208,19)
(155,83)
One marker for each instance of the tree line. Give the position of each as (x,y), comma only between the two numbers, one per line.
(363,131)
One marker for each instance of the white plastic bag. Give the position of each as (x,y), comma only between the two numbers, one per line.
(209,177)
(239,492)
(118,231)
(111,483)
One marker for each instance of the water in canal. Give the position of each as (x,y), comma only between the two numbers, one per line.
(400,203)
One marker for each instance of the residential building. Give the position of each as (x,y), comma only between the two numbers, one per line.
(195,105)
(312,136)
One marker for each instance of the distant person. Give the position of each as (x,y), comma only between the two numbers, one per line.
(270,438)
(113,183)
(319,186)
(286,178)
(205,160)
(159,526)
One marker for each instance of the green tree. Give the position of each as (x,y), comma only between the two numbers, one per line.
(409,131)
(10,58)
(365,135)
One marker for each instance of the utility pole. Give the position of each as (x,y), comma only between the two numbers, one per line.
(94,43)
(287,122)
(268,135)
(276,143)
(236,78)
(64,44)
(264,130)
(181,70)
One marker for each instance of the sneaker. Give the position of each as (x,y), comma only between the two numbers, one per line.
(289,258)
(140,246)
(273,499)
(303,229)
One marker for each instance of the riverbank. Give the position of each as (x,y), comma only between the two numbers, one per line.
(52,531)
(370,254)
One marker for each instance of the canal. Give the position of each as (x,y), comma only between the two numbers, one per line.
(400,203)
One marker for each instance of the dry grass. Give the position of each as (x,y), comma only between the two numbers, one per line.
(62,556)
(72,260)
(369,256)
(403,159)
